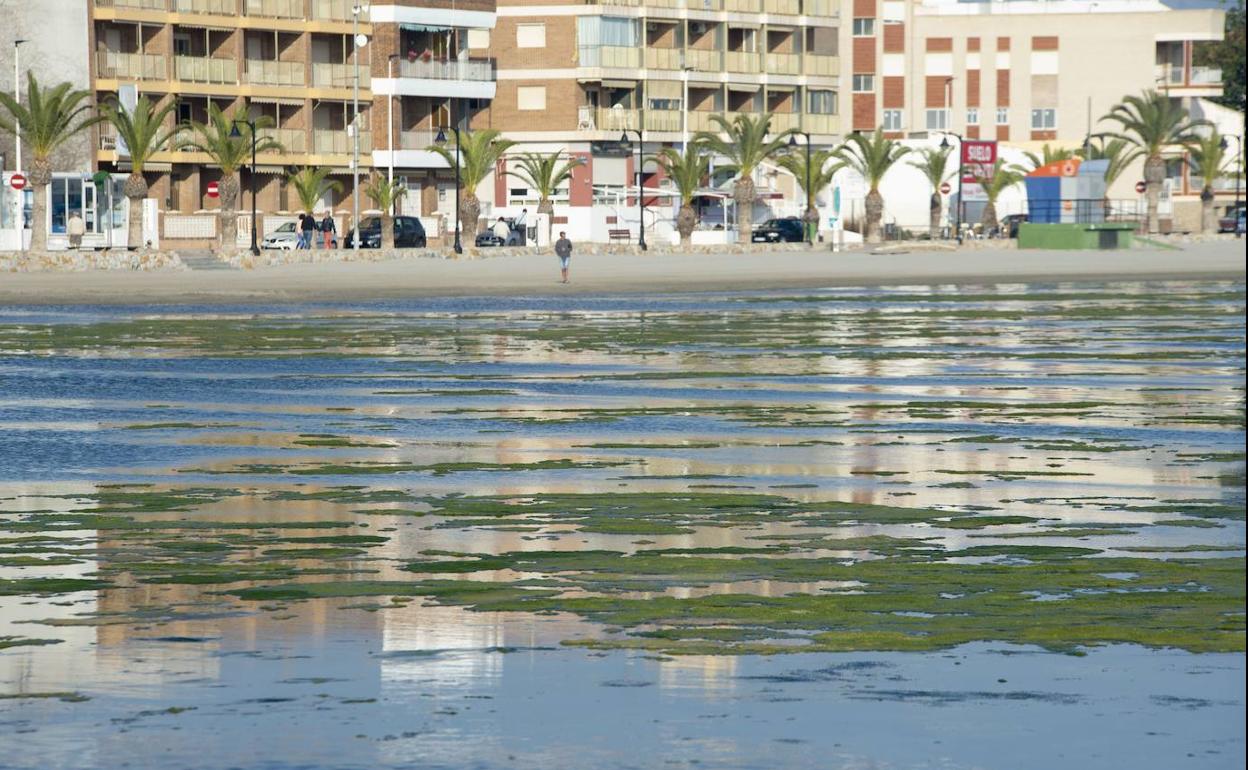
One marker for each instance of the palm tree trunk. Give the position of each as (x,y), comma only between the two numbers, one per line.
(387,229)
(933,222)
(990,217)
(228,189)
(40,177)
(875,212)
(1154,175)
(743,195)
(1208,217)
(810,219)
(469,216)
(135,190)
(547,206)
(686,220)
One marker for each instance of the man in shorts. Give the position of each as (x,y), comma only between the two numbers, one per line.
(563,248)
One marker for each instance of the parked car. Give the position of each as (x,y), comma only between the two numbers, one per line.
(487,238)
(284,238)
(1234,215)
(1010,224)
(784,229)
(409,233)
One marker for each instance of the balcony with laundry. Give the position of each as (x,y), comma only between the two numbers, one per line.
(433,61)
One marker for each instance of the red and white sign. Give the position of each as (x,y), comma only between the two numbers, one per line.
(978,152)
(214,190)
(1140,187)
(945,189)
(17,182)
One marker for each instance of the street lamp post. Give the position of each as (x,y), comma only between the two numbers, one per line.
(957,212)
(810,196)
(236,134)
(357,44)
(641,203)
(390,117)
(1239,170)
(17,96)
(441,140)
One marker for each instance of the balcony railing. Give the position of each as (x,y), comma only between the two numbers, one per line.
(610,56)
(275,9)
(1170,74)
(275,73)
(663,120)
(743,6)
(1202,76)
(447,70)
(784,63)
(1174,75)
(293,140)
(202,69)
(741,61)
(338,142)
(820,124)
(615,119)
(416,139)
(209,7)
(696,5)
(137,66)
(141,5)
(827,8)
(337,10)
(663,58)
(783,121)
(790,7)
(326,75)
(703,60)
(816,64)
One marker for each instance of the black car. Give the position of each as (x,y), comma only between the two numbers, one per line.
(409,233)
(785,229)
(1010,224)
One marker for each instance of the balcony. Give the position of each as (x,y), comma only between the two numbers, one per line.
(743,6)
(615,119)
(742,61)
(663,58)
(783,121)
(695,5)
(448,70)
(275,73)
(337,142)
(327,75)
(202,69)
(788,7)
(783,64)
(824,8)
(417,139)
(275,9)
(1203,80)
(820,124)
(293,140)
(1206,76)
(335,10)
(703,60)
(610,56)
(131,66)
(822,66)
(664,120)
(135,5)
(205,7)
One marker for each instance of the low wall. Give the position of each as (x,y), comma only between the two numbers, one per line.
(79,261)
(1069,236)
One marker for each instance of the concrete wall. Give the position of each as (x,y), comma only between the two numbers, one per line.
(57,51)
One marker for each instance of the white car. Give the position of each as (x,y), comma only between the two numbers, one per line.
(283,238)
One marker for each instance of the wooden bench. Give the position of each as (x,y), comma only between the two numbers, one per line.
(622,234)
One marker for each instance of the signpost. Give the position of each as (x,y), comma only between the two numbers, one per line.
(17,182)
(1140,187)
(945,189)
(214,190)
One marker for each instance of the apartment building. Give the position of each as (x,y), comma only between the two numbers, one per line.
(306,66)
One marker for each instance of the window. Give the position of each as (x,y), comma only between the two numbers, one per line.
(938,120)
(530,36)
(479,38)
(864,27)
(892,120)
(1003,116)
(864,83)
(1043,120)
(822,102)
(972,116)
(531,97)
(664,103)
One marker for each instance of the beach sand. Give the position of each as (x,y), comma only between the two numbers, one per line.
(538,274)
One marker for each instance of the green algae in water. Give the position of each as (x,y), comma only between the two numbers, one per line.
(9,642)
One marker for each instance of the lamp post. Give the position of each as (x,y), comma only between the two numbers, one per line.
(441,140)
(390,116)
(1239,170)
(236,134)
(357,40)
(641,203)
(957,212)
(17,96)
(810,196)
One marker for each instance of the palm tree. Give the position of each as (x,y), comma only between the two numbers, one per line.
(1003,177)
(936,169)
(385,193)
(1119,152)
(49,118)
(686,172)
(1208,161)
(144,134)
(820,172)
(871,157)
(311,184)
(744,142)
(543,173)
(214,139)
(1048,155)
(1152,122)
(478,152)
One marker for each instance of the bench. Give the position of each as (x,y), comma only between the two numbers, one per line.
(622,234)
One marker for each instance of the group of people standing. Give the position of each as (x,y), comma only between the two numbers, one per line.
(308,227)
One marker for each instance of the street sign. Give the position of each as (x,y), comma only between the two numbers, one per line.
(214,190)
(17,182)
(978,159)
(945,189)
(1140,187)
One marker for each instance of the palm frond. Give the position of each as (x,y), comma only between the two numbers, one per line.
(478,153)
(823,167)
(142,128)
(50,116)
(686,170)
(311,184)
(871,155)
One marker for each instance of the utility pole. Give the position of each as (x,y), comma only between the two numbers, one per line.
(356,10)
(17,96)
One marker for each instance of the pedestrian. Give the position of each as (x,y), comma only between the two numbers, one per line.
(502,231)
(307,226)
(563,248)
(76,229)
(329,230)
(521,224)
(299,232)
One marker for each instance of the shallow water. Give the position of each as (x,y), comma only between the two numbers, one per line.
(262,448)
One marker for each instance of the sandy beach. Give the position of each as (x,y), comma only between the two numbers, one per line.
(598,274)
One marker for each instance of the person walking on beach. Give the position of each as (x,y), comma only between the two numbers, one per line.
(521,224)
(328,230)
(76,228)
(307,226)
(563,248)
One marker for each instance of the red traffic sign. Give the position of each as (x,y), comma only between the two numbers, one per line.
(945,189)
(17,182)
(214,190)
(979,153)
(1140,187)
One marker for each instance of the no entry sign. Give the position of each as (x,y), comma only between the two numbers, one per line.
(945,188)
(214,190)
(1140,187)
(17,182)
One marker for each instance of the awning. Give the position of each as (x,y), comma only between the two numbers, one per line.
(282,100)
(422,28)
(748,88)
(774,88)
(744,25)
(629,84)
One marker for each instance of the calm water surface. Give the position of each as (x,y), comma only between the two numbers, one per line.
(173,458)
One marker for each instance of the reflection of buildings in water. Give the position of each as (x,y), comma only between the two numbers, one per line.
(709,675)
